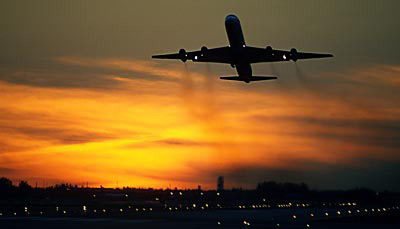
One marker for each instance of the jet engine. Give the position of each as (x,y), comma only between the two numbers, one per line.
(204,50)
(269,50)
(293,54)
(183,55)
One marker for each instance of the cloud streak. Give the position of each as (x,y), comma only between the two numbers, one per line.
(144,124)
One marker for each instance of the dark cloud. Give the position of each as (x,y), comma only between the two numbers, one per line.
(377,132)
(39,126)
(6,171)
(183,142)
(377,174)
(82,78)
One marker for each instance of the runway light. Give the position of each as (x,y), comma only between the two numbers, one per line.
(217,193)
(65,212)
(84,208)
(15,213)
(41,213)
(218,223)
(104,210)
(338,212)
(278,225)
(121,210)
(284,57)
(349,211)
(312,215)
(294,216)
(326,214)
(307,225)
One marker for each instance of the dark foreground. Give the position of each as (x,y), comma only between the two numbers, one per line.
(259,218)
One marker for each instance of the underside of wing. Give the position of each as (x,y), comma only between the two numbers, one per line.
(214,55)
(259,55)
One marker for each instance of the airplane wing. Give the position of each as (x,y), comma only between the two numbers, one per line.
(259,55)
(214,55)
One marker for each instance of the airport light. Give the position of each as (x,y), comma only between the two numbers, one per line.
(218,223)
(1,214)
(307,225)
(278,225)
(294,216)
(121,210)
(326,214)
(349,211)
(15,213)
(312,215)
(217,193)
(338,212)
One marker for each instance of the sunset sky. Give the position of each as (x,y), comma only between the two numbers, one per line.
(82,100)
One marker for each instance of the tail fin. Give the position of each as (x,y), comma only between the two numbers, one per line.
(253,78)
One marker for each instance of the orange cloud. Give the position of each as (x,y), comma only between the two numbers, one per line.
(186,127)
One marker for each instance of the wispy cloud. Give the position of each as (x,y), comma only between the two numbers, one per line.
(144,124)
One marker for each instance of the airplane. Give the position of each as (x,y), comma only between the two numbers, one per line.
(239,55)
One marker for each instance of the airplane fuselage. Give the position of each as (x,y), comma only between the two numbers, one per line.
(238,44)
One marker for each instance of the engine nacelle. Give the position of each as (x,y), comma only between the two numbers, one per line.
(269,50)
(204,50)
(183,55)
(293,54)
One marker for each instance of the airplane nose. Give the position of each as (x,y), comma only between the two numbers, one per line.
(231,19)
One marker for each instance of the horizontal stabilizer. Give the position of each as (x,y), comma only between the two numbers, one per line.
(253,78)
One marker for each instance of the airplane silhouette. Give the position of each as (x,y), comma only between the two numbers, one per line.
(239,55)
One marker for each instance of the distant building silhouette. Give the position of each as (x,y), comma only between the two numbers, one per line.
(220,183)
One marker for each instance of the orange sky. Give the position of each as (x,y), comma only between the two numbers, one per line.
(185,129)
